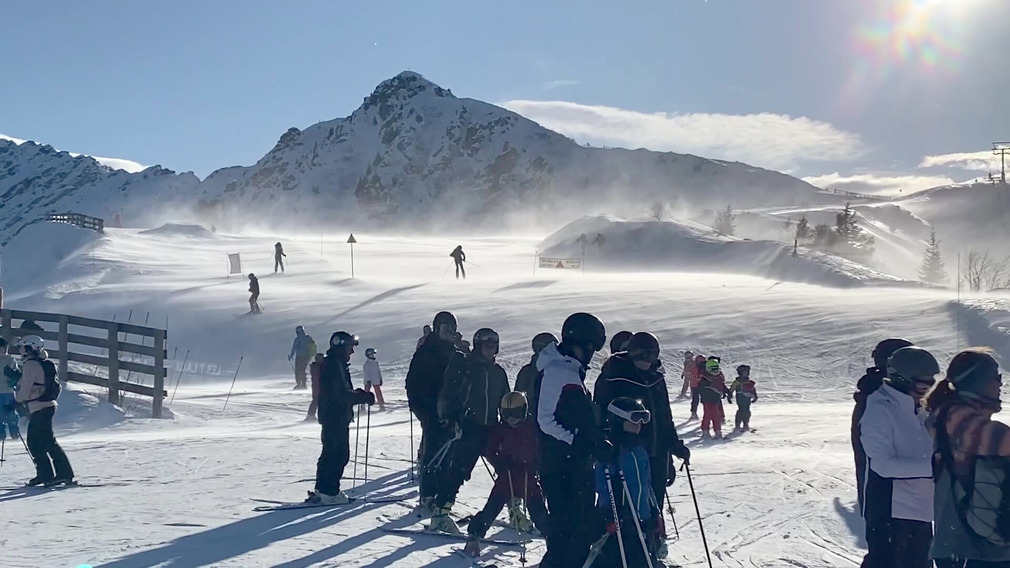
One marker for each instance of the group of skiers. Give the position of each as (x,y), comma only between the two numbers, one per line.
(929,457)
(703,377)
(588,471)
(305,356)
(31,390)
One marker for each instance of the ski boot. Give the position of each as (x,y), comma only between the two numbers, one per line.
(425,508)
(694,416)
(68,481)
(318,498)
(662,550)
(443,523)
(517,517)
(35,482)
(705,435)
(472,547)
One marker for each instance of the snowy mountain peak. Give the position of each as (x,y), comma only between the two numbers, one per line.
(402,88)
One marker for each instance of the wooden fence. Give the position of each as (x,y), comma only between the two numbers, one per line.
(108,351)
(82,221)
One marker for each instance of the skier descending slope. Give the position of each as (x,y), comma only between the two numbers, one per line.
(473,388)
(570,436)
(423,383)
(459,257)
(869,383)
(337,399)
(637,374)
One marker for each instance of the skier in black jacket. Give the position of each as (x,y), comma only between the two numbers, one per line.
(423,382)
(337,398)
(570,438)
(528,373)
(867,385)
(638,374)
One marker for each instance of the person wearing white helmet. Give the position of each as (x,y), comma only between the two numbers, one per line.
(373,376)
(39,389)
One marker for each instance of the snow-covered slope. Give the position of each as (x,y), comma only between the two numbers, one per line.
(975,216)
(679,246)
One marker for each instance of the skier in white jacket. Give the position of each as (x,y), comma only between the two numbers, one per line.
(373,377)
(898,507)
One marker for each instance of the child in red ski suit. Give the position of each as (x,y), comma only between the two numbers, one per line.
(512,451)
(712,389)
(746,393)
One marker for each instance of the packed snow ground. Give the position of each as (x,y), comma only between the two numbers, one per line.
(180,491)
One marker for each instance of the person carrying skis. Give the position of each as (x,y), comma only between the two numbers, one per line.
(712,389)
(337,399)
(528,373)
(898,495)
(9,378)
(39,388)
(423,383)
(473,388)
(373,376)
(745,390)
(688,374)
(512,451)
(315,372)
(459,257)
(254,294)
(638,375)
(636,526)
(279,257)
(570,435)
(699,372)
(972,451)
(303,349)
(866,386)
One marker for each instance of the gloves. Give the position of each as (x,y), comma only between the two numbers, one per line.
(12,373)
(611,528)
(671,473)
(682,452)
(603,451)
(365,396)
(729,398)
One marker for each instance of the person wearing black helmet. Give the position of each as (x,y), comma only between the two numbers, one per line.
(898,496)
(528,374)
(867,384)
(570,436)
(637,374)
(423,383)
(472,390)
(619,342)
(337,398)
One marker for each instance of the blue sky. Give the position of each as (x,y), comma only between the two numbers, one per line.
(863,94)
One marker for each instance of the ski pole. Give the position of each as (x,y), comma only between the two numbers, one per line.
(232,383)
(515,521)
(357,436)
(669,507)
(474,265)
(25,444)
(633,506)
(368,429)
(179,378)
(412,479)
(617,518)
(3,443)
(488,468)
(694,497)
(446,271)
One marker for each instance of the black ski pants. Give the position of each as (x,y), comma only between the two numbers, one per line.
(610,556)
(459,268)
(897,543)
(458,465)
(432,439)
(574,521)
(46,451)
(695,399)
(659,467)
(278,262)
(743,412)
(334,457)
(517,484)
(948,563)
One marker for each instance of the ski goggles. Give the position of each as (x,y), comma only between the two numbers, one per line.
(633,416)
(649,355)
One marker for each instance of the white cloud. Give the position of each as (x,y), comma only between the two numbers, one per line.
(980,161)
(769,140)
(879,184)
(114,163)
(558,83)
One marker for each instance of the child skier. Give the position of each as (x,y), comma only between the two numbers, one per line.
(512,450)
(746,393)
(712,388)
(373,376)
(637,512)
(315,368)
(699,370)
(8,382)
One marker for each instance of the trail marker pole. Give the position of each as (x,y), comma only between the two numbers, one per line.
(351,240)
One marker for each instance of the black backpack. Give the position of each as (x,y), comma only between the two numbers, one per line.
(53,386)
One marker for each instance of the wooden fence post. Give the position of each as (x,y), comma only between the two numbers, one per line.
(114,363)
(5,325)
(62,338)
(159,371)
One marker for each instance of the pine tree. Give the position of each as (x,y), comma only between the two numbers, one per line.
(933,269)
(724,222)
(803,230)
(852,241)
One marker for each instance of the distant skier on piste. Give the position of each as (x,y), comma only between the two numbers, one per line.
(254,294)
(373,376)
(423,383)
(712,389)
(637,374)
(689,374)
(10,374)
(303,349)
(744,389)
(337,398)
(38,389)
(459,257)
(279,257)
(570,436)
(468,403)
(512,451)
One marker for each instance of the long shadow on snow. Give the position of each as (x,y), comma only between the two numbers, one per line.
(241,537)
(372,300)
(852,520)
(524,285)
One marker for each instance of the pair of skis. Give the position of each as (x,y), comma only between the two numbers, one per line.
(272,505)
